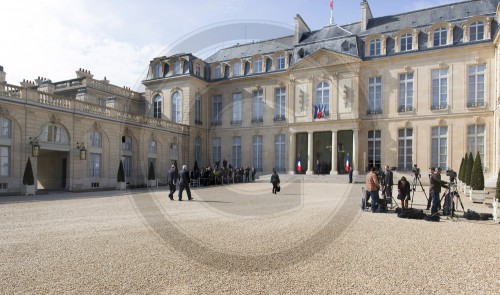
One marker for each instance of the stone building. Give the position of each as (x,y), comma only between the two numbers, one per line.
(420,87)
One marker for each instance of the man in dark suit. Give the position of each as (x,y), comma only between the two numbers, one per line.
(172,180)
(275,180)
(388,182)
(184,183)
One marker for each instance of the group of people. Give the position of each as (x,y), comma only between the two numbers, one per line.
(373,186)
(182,178)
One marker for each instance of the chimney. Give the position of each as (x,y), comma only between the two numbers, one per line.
(2,75)
(300,28)
(84,73)
(45,85)
(366,15)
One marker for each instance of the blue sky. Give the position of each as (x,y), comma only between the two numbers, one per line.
(117,39)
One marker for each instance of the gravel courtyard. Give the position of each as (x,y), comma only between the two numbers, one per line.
(311,238)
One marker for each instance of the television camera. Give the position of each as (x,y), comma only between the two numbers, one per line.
(452,175)
(416,171)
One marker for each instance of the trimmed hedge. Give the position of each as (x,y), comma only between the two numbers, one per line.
(477,176)
(468,168)
(120,177)
(28,178)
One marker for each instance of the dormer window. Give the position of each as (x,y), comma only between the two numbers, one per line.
(280,62)
(217,72)
(477,31)
(375,47)
(406,42)
(440,36)
(177,67)
(237,69)
(156,71)
(257,65)
(197,71)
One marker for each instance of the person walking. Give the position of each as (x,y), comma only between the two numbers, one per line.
(275,180)
(172,181)
(404,190)
(372,187)
(184,183)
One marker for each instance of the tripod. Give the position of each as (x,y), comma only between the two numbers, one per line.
(416,180)
(449,203)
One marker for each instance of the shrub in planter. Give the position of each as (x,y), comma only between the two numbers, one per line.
(468,168)
(151,171)
(461,170)
(120,177)
(477,176)
(28,178)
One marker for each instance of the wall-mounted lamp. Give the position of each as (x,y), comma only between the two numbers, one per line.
(83,151)
(35,146)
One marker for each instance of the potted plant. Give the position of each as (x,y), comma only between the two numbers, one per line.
(120,178)
(477,181)
(496,200)
(28,179)
(151,175)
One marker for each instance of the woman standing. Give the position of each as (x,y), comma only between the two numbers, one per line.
(404,192)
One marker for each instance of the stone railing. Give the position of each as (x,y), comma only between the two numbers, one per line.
(30,96)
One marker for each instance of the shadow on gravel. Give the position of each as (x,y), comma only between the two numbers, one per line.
(338,221)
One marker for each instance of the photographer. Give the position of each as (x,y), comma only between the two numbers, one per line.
(435,189)
(372,187)
(388,182)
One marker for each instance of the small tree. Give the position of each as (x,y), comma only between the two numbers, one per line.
(151,171)
(461,170)
(28,178)
(468,168)
(497,193)
(477,176)
(120,177)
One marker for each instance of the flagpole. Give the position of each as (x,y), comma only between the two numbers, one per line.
(331,12)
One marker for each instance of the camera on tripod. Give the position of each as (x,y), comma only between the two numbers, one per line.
(416,171)
(380,176)
(451,174)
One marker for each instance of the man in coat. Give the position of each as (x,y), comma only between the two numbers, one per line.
(172,180)
(275,180)
(388,182)
(184,183)
(372,187)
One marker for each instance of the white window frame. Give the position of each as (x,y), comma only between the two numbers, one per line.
(257,152)
(217,110)
(95,138)
(439,146)
(322,97)
(405,149)
(216,149)
(406,42)
(439,37)
(258,106)
(95,164)
(177,67)
(237,69)
(405,92)
(152,147)
(439,89)
(280,104)
(257,66)
(157,111)
(476,85)
(127,144)
(280,62)
(197,149)
(476,140)
(5,127)
(375,95)
(127,165)
(279,152)
(374,148)
(176,107)
(5,159)
(375,47)
(476,31)
(236,151)
(237,107)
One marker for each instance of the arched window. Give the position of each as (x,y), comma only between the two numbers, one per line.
(322,101)
(176,107)
(127,155)
(5,146)
(157,106)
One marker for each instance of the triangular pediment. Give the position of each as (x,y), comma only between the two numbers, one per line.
(324,58)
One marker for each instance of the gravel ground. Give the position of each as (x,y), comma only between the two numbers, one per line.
(311,238)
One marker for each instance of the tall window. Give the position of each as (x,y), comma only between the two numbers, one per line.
(127,165)
(476,140)
(177,67)
(374,148)
(95,138)
(216,149)
(217,72)
(406,42)
(477,31)
(439,148)
(4,127)
(197,70)
(257,152)
(476,85)
(197,109)
(197,149)
(375,95)
(279,152)
(375,47)
(439,89)
(157,106)
(405,149)
(101,102)
(236,160)
(52,133)
(257,65)
(237,69)
(4,160)
(176,107)
(322,99)
(440,35)
(405,92)
(217,110)
(236,108)
(95,164)
(156,70)
(127,143)
(279,104)
(258,110)
(280,62)
(152,147)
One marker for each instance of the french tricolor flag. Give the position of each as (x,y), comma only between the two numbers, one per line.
(347,163)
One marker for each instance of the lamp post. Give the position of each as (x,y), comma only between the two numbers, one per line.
(83,151)
(35,146)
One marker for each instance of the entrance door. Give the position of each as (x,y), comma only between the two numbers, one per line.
(64,162)
(344,150)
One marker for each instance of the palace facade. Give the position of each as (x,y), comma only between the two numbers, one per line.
(419,88)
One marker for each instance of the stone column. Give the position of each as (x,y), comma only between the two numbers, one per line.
(310,151)
(292,152)
(355,150)
(334,154)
